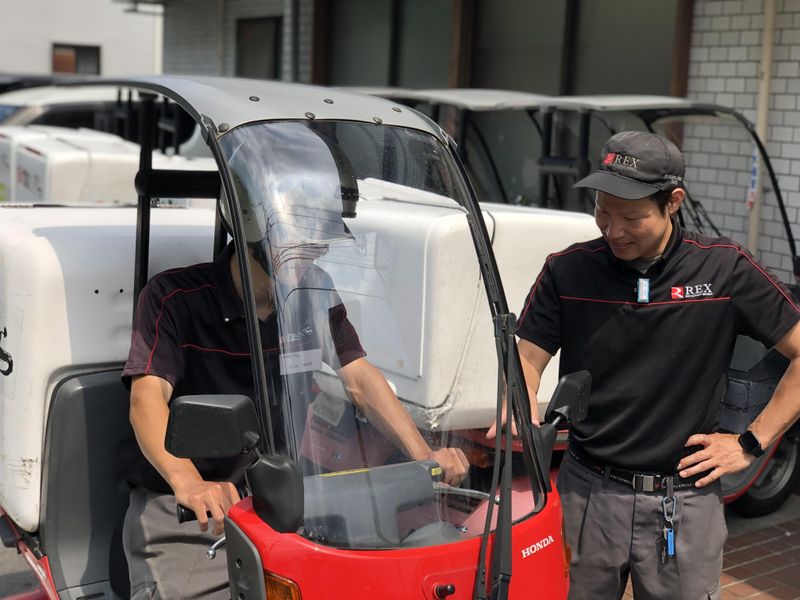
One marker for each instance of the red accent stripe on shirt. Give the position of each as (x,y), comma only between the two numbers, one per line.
(752,262)
(228,352)
(546,262)
(161,313)
(666,302)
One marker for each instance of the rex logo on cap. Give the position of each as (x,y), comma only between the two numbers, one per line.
(636,164)
(620,159)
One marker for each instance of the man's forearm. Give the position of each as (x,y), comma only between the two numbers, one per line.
(371,393)
(534,360)
(532,381)
(783,409)
(149,415)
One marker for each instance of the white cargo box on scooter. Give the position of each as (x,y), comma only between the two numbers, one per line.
(77,169)
(14,137)
(10,138)
(445,376)
(55,165)
(66,302)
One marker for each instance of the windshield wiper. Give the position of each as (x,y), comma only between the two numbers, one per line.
(509,378)
(479,590)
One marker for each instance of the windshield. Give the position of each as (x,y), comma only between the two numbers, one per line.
(360,232)
(500,149)
(6,110)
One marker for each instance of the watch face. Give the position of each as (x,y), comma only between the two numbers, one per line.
(750,443)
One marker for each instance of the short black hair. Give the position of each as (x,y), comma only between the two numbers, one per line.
(662,197)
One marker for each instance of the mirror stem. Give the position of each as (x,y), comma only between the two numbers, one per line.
(251,443)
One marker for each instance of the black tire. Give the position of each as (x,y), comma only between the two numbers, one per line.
(779,479)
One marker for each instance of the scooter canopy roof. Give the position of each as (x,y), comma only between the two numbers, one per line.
(234,102)
(490,100)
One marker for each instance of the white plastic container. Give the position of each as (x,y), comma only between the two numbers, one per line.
(56,165)
(13,137)
(72,169)
(10,137)
(66,278)
(446,376)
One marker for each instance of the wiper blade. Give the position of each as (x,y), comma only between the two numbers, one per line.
(508,378)
(479,590)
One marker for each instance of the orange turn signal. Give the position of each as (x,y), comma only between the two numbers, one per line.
(280,588)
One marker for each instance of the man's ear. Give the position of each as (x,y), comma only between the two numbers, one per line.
(675,200)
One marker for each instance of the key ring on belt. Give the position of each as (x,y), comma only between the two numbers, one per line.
(668,508)
(668,505)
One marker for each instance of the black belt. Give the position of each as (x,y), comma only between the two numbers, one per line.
(640,482)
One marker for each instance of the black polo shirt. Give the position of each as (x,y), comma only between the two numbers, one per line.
(659,367)
(190,330)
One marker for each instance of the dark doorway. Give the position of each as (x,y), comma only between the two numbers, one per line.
(258,47)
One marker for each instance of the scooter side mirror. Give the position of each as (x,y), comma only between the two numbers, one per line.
(570,401)
(211,426)
(276,485)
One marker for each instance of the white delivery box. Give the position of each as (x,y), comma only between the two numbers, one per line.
(66,301)
(522,240)
(72,169)
(10,138)
(445,376)
(56,165)
(47,169)
(13,138)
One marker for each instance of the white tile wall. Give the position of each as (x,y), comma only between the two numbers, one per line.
(200,35)
(189,26)
(724,69)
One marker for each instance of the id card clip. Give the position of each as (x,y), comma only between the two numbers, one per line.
(643,291)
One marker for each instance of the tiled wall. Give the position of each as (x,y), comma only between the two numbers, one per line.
(200,35)
(724,69)
(188,27)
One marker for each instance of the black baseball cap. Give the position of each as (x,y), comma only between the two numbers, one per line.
(636,164)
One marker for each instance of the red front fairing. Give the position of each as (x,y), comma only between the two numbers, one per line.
(326,573)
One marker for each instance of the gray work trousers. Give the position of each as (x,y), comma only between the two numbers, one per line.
(615,532)
(166,559)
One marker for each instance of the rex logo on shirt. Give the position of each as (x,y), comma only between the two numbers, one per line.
(683,292)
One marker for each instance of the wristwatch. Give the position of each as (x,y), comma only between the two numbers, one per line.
(750,444)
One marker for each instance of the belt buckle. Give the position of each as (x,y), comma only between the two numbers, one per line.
(644,483)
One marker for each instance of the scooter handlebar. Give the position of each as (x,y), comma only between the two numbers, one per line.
(186,515)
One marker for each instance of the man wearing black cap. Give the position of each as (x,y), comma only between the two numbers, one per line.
(652,311)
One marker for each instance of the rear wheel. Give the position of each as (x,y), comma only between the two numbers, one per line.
(775,484)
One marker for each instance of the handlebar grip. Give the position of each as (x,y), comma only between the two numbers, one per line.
(185,515)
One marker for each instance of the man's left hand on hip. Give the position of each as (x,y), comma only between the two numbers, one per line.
(721,454)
